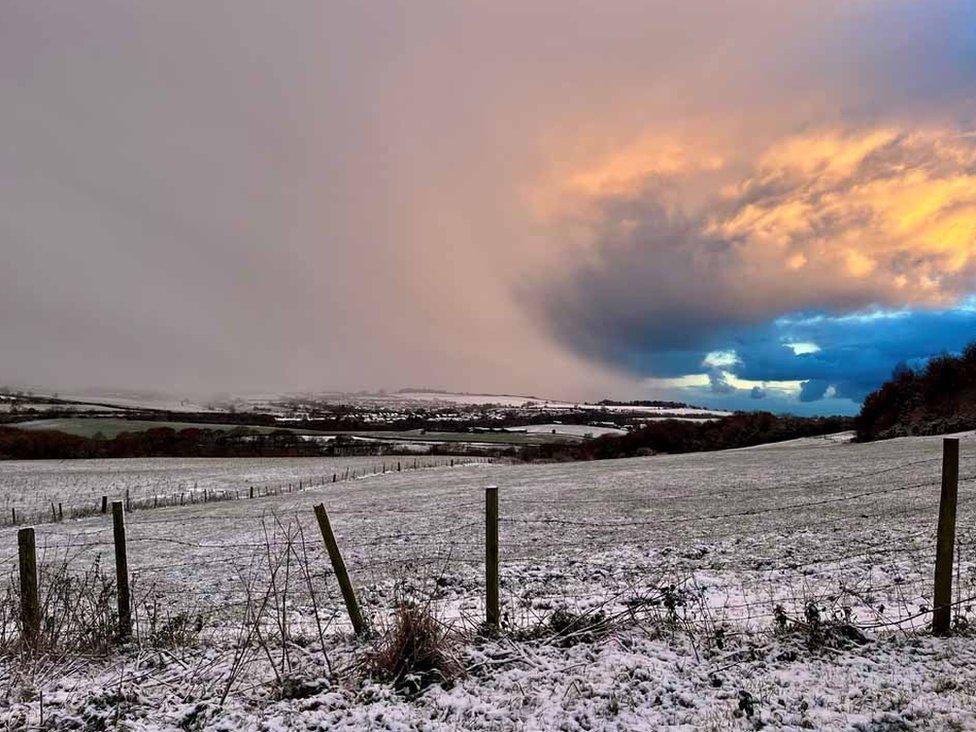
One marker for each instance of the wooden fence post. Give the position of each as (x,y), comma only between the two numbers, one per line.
(122,571)
(492,609)
(104,504)
(339,567)
(13,515)
(946,538)
(30,606)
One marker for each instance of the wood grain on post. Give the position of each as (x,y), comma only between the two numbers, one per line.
(946,538)
(30,605)
(121,571)
(492,609)
(339,567)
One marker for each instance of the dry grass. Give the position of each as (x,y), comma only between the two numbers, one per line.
(416,651)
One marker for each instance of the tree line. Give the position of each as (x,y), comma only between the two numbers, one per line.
(935,399)
(742,429)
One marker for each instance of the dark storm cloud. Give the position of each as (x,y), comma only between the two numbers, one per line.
(819,237)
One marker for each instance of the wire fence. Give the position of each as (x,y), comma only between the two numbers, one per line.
(37,506)
(857,549)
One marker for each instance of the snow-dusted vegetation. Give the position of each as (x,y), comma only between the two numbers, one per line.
(787,585)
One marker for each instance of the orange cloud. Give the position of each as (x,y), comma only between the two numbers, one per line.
(877,215)
(572,186)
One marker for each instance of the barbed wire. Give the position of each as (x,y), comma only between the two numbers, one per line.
(449,547)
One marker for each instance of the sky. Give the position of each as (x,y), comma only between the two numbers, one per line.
(748,205)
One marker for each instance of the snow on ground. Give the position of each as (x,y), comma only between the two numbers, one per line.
(24,406)
(539,403)
(696,550)
(575,430)
(505,400)
(132,400)
(30,486)
(674,412)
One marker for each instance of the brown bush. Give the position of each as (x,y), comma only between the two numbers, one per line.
(416,651)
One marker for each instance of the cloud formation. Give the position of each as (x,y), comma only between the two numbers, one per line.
(358,195)
(826,259)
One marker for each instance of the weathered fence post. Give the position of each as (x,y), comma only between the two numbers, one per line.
(104,504)
(946,538)
(54,513)
(492,610)
(334,477)
(121,571)
(30,606)
(13,515)
(60,511)
(339,567)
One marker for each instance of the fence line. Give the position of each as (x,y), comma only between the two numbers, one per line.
(21,515)
(643,584)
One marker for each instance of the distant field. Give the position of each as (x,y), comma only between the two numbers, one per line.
(111,427)
(500,438)
(571,430)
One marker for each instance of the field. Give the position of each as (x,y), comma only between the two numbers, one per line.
(31,486)
(431,437)
(575,430)
(724,566)
(110,427)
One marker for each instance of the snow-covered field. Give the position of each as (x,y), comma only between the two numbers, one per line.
(700,554)
(575,430)
(30,486)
